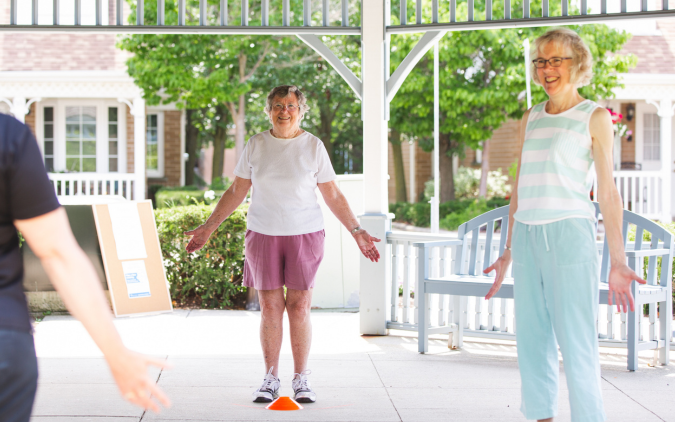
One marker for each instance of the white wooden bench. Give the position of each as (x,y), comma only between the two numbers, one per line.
(467,278)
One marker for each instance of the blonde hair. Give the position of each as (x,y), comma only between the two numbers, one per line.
(282,91)
(581,71)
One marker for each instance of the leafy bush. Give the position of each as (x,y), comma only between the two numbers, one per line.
(453,220)
(210,277)
(513,169)
(419,214)
(467,183)
(167,197)
(185,195)
(647,238)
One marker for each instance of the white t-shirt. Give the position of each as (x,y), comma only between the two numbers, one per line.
(284,174)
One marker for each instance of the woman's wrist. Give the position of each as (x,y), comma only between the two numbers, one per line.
(356,230)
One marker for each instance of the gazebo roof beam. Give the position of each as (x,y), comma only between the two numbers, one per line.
(174,29)
(522,23)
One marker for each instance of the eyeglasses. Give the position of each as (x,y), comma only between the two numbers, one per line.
(290,107)
(553,61)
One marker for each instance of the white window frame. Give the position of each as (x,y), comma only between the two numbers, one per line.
(102,105)
(159,173)
(642,108)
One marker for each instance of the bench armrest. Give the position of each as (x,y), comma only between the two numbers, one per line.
(437,243)
(647,252)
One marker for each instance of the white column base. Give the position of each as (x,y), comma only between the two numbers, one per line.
(375,293)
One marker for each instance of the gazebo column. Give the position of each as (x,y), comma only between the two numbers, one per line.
(665,111)
(19,107)
(137,109)
(375,277)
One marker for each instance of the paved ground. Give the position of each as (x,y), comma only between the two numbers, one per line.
(218,364)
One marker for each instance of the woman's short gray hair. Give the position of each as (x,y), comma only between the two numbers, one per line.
(282,91)
(581,71)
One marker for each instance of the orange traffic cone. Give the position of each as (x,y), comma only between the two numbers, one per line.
(284,403)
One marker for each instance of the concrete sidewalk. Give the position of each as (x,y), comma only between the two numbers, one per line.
(218,364)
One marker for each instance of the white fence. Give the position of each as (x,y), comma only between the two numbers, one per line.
(641,192)
(93,184)
(493,318)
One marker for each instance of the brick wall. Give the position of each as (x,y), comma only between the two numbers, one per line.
(172,150)
(423,171)
(58,51)
(30,117)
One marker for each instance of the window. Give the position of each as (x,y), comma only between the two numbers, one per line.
(81,139)
(651,138)
(151,139)
(49,138)
(113,140)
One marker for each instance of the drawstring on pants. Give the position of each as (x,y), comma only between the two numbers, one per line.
(543,227)
(545,238)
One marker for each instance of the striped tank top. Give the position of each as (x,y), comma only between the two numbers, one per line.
(556,166)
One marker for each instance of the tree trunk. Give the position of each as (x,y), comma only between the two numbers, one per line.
(326,117)
(239,118)
(484,169)
(219,139)
(446,169)
(399,173)
(191,133)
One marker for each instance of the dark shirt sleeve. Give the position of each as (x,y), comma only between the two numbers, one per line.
(31,194)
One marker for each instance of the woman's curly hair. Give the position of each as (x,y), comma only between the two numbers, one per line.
(581,71)
(282,91)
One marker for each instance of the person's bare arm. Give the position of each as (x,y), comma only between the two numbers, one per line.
(72,274)
(229,202)
(620,276)
(338,204)
(503,262)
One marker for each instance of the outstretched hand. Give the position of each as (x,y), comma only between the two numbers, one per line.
(368,248)
(500,266)
(620,279)
(200,236)
(130,370)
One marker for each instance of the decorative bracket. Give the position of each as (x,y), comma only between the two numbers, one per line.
(317,45)
(665,108)
(19,107)
(403,70)
(137,109)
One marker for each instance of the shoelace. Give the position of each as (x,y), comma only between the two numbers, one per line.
(302,383)
(268,381)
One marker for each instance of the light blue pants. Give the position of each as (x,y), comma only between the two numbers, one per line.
(555,270)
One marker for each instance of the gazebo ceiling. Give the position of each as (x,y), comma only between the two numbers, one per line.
(490,22)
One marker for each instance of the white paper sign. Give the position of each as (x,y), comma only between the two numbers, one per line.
(127,231)
(136,278)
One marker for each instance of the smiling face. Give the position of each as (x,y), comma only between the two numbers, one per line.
(555,80)
(285,114)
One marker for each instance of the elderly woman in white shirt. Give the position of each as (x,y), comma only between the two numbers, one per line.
(285,236)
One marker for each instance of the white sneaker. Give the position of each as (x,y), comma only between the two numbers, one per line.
(302,389)
(269,389)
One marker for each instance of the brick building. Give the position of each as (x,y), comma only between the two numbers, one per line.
(646,102)
(86,112)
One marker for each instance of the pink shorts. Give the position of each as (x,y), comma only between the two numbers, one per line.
(275,261)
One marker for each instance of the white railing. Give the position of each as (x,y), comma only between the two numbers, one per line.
(93,184)
(641,192)
(491,319)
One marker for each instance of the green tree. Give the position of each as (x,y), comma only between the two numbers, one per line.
(334,114)
(482,83)
(210,72)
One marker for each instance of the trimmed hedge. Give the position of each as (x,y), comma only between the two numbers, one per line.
(182,196)
(212,276)
(419,213)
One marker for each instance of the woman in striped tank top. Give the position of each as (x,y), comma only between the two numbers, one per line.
(552,236)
